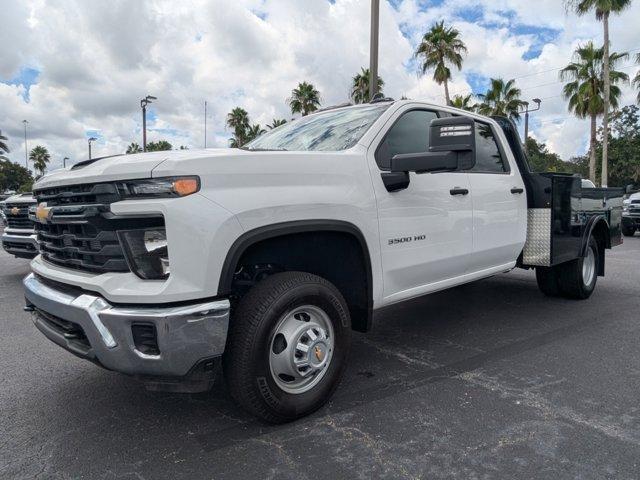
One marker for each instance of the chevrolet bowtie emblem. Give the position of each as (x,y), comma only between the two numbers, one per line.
(43,213)
(318,352)
(15,211)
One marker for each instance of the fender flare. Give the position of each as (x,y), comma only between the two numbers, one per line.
(589,228)
(247,239)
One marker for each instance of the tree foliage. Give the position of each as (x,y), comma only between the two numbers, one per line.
(440,47)
(4,149)
(304,99)
(40,157)
(360,86)
(276,123)
(14,176)
(133,148)
(158,146)
(503,99)
(624,147)
(542,160)
(238,121)
(463,102)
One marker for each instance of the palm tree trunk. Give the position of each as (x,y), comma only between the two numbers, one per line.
(592,149)
(607,93)
(446,92)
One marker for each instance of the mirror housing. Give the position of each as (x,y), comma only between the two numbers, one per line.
(452,146)
(629,189)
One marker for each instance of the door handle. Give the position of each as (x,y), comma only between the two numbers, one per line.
(516,190)
(458,191)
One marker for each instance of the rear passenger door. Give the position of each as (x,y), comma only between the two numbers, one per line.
(499,203)
(425,229)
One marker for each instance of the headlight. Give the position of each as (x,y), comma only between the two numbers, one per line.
(146,252)
(159,187)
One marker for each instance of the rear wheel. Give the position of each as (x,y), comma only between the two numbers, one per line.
(578,278)
(628,231)
(287,347)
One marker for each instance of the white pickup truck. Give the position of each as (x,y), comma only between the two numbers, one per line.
(263,259)
(18,237)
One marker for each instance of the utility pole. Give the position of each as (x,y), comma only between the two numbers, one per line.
(92,139)
(143,104)
(537,101)
(26,154)
(373,53)
(64,160)
(205,124)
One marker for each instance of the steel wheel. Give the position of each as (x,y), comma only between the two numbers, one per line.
(301,349)
(589,266)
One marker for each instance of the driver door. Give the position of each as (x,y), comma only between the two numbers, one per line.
(426,229)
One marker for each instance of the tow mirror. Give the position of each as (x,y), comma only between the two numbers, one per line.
(452,146)
(629,189)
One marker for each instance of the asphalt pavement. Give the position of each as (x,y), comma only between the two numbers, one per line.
(487,380)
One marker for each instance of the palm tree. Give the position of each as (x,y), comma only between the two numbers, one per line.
(276,123)
(441,46)
(254,131)
(133,148)
(238,120)
(3,146)
(636,80)
(40,157)
(360,86)
(304,99)
(502,99)
(603,9)
(463,103)
(159,146)
(585,90)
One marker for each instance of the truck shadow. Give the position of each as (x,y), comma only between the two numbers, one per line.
(425,341)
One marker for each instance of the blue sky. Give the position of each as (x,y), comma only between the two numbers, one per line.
(79,69)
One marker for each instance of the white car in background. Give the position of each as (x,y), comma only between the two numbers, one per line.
(19,238)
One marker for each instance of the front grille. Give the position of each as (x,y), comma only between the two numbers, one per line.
(81,232)
(71,331)
(18,215)
(28,247)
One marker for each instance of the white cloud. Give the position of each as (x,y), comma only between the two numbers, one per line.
(97,59)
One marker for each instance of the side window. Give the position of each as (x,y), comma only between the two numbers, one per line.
(410,134)
(488,157)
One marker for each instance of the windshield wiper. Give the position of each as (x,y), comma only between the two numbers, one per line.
(264,149)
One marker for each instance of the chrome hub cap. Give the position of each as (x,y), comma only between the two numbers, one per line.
(588,267)
(301,349)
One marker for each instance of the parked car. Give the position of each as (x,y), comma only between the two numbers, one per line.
(165,265)
(19,237)
(631,215)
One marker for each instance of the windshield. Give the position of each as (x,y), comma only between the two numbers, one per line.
(325,131)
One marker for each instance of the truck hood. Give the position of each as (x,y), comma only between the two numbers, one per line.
(120,167)
(129,167)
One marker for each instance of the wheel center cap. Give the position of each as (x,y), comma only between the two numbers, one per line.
(317,354)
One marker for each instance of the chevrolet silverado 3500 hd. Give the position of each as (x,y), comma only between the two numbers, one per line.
(263,259)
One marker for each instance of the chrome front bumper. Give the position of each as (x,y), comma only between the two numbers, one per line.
(21,243)
(186,334)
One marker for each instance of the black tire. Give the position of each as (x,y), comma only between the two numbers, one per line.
(548,280)
(246,359)
(572,284)
(628,231)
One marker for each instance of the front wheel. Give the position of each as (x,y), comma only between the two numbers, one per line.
(288,343)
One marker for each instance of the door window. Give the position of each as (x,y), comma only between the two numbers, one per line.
(488,156)
(409,134)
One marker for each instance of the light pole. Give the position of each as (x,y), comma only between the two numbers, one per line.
(537,101)
(92,139)
(26,154)
(205,124)
(143,104)
(373,51)
(64,160)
